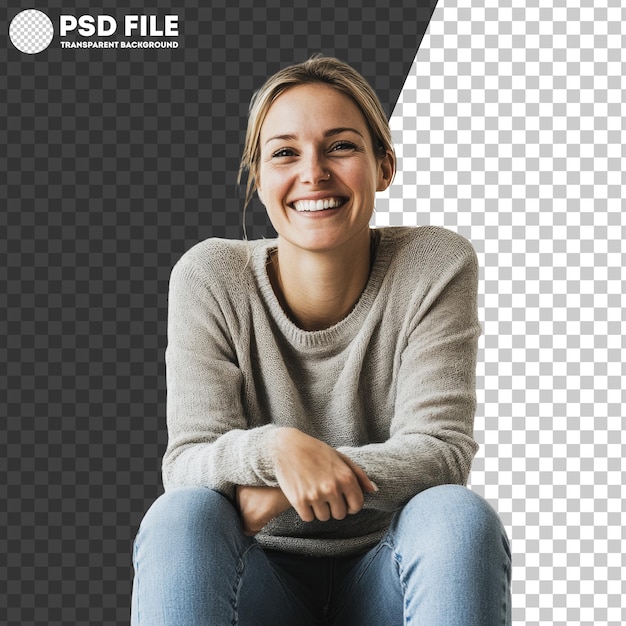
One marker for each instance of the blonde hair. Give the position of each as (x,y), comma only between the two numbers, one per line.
(317,69)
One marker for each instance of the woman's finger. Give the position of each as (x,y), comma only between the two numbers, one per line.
(354,500)
(321,511)
(338,507)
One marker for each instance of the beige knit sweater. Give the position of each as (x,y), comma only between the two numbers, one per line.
(392,385)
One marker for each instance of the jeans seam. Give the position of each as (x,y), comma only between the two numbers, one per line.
(397,558)
(236,588)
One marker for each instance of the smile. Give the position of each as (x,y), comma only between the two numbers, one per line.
(317,205)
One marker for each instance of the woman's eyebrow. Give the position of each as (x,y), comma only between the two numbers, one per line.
(329,133)
(281,138)
(342,129)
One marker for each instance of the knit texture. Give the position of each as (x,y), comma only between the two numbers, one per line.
(392,385)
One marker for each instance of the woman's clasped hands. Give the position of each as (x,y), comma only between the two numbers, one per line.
(315,479)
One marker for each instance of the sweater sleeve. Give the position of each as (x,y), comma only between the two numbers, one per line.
(431,433)
(209,440)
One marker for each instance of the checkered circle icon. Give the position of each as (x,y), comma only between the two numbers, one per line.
(31,31)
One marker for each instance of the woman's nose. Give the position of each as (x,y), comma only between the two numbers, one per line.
(313,170)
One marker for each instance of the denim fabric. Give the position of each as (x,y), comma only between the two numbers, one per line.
(445,561)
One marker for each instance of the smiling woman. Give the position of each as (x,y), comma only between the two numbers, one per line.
(321,397)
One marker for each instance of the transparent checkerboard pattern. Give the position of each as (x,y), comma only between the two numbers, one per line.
(31,31)
(511,130)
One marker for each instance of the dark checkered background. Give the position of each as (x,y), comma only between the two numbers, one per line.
(113,163)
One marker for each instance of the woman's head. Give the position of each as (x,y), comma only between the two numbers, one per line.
(317,70)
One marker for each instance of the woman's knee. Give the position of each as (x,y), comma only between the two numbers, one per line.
(186,511)
(453,557)
(186,554)
(454,518)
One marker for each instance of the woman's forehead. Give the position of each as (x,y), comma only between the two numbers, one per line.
(311,107)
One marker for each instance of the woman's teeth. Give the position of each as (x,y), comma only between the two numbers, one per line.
(317,205)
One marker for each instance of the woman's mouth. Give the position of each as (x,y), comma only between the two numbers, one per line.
(308,206)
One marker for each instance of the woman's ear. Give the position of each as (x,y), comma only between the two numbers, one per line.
(386,171)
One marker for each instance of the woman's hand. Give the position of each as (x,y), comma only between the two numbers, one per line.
(258,506)
(318,481)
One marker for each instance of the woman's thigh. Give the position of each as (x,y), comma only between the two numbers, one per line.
(194,566)
(445,560)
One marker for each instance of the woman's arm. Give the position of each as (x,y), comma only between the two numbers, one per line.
(210,443)
(431,435)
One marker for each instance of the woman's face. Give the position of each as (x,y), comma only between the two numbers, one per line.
(318,171)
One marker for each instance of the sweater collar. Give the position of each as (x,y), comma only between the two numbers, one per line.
(346,329)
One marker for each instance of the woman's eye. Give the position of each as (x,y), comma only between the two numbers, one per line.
(342,145)
(283,152)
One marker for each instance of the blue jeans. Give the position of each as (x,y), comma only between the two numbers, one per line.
(445,561)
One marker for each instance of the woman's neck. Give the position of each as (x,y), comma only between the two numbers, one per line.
(319,289)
